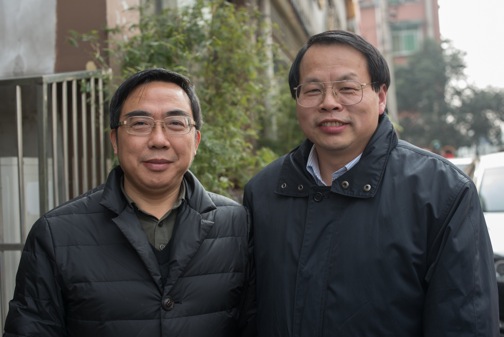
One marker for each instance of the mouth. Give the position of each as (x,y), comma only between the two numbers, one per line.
(332,123)
(157,161)
(157,165)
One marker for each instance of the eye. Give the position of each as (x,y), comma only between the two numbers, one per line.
(348,87)
(176,123)
(139,122)
(311,89)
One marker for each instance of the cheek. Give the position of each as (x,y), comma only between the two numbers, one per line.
(129,147)
(302,115)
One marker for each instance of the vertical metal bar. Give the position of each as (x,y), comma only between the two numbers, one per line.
(42,145)
(158,6)
(3,309)
(101,131)
(94,157)
(20,162)
(84,164)
(55,152)
(75,154)
(64,127)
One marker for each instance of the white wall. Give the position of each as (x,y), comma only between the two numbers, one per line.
(27,37)
(10,220)
(313,16)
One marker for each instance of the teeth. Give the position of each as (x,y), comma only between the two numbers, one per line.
(332,124)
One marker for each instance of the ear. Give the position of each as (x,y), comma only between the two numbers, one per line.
(113,139)
(382,99)
(197,141)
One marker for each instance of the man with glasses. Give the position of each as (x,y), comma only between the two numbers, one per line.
(150,253)
(358,233)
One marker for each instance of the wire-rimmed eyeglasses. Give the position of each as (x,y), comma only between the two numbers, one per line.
(347,92)
(143,125)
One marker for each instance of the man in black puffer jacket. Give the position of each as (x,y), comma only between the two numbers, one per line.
(150,253)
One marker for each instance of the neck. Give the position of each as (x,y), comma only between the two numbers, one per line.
(157,207)
(152,203)
(330,162)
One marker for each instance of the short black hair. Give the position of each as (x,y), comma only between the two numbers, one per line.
(377,65)
(153,75)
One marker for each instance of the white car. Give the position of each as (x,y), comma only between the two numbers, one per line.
(466,164)
(489,180)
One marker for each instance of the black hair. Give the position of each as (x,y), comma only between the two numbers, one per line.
(153,75)
(377,65)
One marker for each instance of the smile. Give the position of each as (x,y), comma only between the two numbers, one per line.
(331,124)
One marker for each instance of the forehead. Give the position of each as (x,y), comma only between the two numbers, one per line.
(339,61)
(157,98)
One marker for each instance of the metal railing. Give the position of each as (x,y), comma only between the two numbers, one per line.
(55,125)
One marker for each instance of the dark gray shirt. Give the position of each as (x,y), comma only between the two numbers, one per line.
(159,231)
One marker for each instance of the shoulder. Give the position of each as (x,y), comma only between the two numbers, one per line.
(88,202)
(427,166)
(222,201)
(58,225)
(230,218)
(268,173)
(228,208)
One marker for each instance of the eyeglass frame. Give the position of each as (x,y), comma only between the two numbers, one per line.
(190,124)
(362,86)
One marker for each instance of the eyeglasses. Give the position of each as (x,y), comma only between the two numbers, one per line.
(347,92)
(143,125)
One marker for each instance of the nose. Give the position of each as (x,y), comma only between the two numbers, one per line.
(330,100)
(158,137)
(156,129)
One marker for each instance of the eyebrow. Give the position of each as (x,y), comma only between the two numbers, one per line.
(135,113)
(349,76)
(175,112)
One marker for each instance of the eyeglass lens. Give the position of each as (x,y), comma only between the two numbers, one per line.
(143,125)
(312,93)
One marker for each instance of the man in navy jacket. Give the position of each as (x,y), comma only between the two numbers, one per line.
(358,233)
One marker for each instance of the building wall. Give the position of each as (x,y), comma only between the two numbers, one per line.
(287,29)
(368,27)
(312,14)
(70,16)
(34,34)
(381,18)
(27,37)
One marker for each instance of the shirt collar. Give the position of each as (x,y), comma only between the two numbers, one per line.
(312,166)
(177,203)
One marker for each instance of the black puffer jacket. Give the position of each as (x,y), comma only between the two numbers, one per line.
(397,246)
(88,270)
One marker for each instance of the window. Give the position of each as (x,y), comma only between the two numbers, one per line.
(405,41)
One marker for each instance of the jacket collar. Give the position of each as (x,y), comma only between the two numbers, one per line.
(362,181)
(114,199)
(194,214)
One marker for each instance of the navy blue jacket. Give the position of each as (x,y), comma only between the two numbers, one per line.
(397,246)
